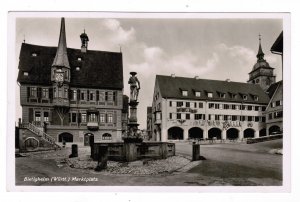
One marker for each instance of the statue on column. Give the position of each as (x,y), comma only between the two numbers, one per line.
(134,86)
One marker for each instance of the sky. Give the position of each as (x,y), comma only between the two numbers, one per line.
(217,49)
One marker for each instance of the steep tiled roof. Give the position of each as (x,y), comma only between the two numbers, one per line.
(98,69)
(170,87)
(271,90)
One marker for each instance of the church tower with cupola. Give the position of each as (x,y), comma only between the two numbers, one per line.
(60,71)
(262,74)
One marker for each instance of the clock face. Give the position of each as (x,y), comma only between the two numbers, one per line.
(59,77)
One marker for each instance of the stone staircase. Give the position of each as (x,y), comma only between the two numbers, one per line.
(40,133)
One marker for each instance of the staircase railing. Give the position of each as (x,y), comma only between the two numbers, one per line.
(39,133)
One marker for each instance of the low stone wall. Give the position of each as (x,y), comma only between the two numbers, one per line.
(263,139)
(134,151)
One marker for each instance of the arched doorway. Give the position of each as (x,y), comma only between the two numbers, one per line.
(214,132)
(106,136)
(232,133)
(249,133)
(175,133)
(263,132)
(87,139)
(67,137)
(31,143)
(274,130)
(195,133)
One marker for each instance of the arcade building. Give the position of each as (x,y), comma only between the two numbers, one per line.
(193,108)
(70,94)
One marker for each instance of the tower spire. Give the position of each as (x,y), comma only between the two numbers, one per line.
(260,54)
(61,57)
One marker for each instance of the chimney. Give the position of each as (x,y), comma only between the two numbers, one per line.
(173,75)
(196,77)
(228,80)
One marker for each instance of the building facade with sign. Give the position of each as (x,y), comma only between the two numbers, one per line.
(70,94)
(186,108)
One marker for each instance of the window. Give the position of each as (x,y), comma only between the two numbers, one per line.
(82,96)
(273,104)
(217,117)
(114,96)
(233,96)
(263,109)
(244,97)
(59,92)
(66,93)
(199,116)
(277,103)
(170,103)
(37,116)
(184,93)
(54,92)
(233,107)
(200,104)
(178,116)
(170,116)
(250,118)
(25,73)
(33,91)
(222,95)
(74,94)
(45,93)
(179,104)
(192,105)
(92,96)
(211,105)
(109,118)
(187,116)
(197,94)
(249,107)
(221,106)
(278,114)
(187,104)
(102,118)
(225,117)
(97,95)
(83,118)
(106,96)
(237,107)
(46,116)
(106,136)
(263,119)
(234,118)
(256,108)
(92,118)
(255,97)
(73,117)
(270,116)
(210,95)
(256,118)
(66,75)
(242,118)
(226,106)
(243,107)
(217,106)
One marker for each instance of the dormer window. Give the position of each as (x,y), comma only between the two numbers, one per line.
(233,96)
(222,95)
(255,97)
(184,93)
(33,54)
(197,94)
(25,73)
(245,97)
(210,95)
(77,68)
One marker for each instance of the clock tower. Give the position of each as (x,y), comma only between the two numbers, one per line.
(60,71)
(262,74)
